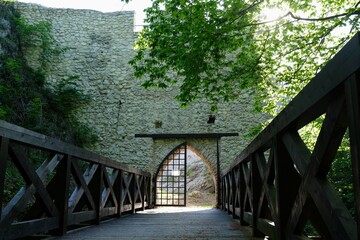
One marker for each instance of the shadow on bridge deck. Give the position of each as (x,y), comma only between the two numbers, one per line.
(167,223)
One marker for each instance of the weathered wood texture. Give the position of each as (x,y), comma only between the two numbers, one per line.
(166,223)
(63,185)
(278,185)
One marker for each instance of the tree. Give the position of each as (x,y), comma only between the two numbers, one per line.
(217,48)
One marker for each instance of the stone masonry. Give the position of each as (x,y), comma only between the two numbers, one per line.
(100,46)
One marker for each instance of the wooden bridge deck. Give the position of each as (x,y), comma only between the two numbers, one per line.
(167,223)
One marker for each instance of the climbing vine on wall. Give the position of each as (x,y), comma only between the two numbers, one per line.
(25,99)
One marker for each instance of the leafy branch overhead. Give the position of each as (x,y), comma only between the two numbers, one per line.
(215,49)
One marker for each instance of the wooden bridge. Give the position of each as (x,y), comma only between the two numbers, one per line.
(276,185)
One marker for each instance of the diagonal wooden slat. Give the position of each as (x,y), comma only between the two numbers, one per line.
(38,208)
(267,197)
(34,185)
(328,141)
(247,178)
(82,185)
(44,170)
(109,188)
(126,188)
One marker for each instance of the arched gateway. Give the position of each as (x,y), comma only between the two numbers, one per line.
(170,179)
(169,182)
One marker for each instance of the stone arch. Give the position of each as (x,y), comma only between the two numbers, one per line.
(205,149)
(210,167)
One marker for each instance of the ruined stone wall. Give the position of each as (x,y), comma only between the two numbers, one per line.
(99,48)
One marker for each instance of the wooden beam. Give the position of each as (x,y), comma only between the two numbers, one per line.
(4,145)
(186,135)
(352,91)
(40,141)
(63,177)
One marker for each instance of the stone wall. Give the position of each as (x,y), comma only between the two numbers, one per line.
(99,48)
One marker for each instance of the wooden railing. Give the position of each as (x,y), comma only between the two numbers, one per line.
(278,185)
(67,187)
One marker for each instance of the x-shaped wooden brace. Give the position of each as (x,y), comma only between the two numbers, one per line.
(268,194)
(138,193)
(333,220)
(34,184)
(126,180)
(109,190)
(248,194)
(82,180)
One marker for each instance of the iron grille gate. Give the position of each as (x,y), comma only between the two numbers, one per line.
(170,179)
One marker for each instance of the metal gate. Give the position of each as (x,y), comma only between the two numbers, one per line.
(170,179)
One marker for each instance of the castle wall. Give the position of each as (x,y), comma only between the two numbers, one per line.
(99,47)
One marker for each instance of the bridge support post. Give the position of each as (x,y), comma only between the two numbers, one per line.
(256,184)
(218,174)
(63,182)
(352,93)
(287,184)
(4,145)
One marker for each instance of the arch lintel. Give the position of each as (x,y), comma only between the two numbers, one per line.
(186,135)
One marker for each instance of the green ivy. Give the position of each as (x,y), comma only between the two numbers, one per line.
(25,99)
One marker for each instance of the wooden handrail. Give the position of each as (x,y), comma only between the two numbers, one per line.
(20,134)
(312,99)
(278,185)
(71,186)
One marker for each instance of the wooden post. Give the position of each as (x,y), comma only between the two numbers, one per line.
(3,162)
(255,196)
(118,189)
(133,192)
(63,177)
(287,185)
(352,90)
(218,174)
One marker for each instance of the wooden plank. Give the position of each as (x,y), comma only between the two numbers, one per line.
(168,223)
(267,227)
(248,217)
(4,145)
(353,108)
(109,211)
(28,228)
(343,64)
(80,217)
(31,138)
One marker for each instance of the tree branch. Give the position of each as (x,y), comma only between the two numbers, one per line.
(357,12)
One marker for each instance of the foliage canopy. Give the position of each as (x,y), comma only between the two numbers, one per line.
(216,48)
